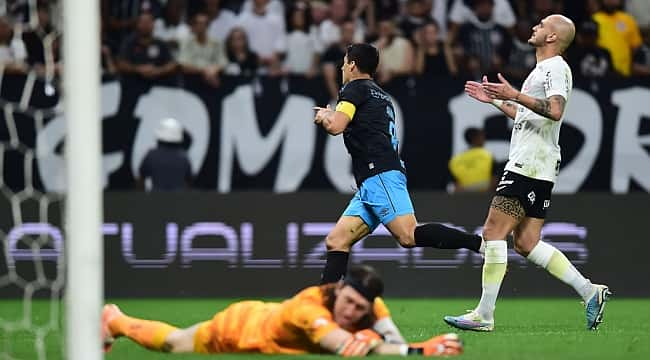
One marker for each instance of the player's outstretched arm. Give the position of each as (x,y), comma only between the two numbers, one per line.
(344,343)
(366,342)
(475,90)
(551,107)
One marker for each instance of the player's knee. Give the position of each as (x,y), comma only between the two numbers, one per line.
(406,241)
(494,231)
(179,341)
(337,243)
(524,246)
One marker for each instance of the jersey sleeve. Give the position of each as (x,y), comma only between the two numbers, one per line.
(354,92)
(557,80)
(380,309)
(351,97)
(313,319)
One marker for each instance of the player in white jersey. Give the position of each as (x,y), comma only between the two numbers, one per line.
(524,193)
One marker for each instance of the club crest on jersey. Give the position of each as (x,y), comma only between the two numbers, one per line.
(531,197)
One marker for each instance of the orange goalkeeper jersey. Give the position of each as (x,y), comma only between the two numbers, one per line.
(294,326)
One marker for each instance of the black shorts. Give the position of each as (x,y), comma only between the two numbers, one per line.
(533,194)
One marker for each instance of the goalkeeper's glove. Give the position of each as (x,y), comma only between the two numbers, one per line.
(360,344)
(442,345)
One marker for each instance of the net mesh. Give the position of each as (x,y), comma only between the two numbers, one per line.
(31,236)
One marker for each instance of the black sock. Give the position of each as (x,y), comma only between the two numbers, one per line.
(443,237)
(336,267)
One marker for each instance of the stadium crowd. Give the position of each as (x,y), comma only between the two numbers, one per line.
(200,42)
(152,40)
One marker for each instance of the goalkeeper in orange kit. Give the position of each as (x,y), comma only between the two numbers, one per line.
(346,318)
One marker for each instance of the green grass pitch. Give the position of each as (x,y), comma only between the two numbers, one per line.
(525,328)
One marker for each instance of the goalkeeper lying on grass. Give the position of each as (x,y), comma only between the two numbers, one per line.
(347,318)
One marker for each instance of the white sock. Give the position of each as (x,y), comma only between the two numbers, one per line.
(494,269)
(552,259)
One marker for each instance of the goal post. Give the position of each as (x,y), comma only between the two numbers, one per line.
(84,209)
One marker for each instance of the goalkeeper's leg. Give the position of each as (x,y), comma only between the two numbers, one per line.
(153,335)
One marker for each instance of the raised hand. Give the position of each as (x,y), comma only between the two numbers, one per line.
(501,90)
(475,90)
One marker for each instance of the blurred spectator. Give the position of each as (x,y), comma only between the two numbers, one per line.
(385,9)
(122,16)
(522,57)
(221,20)
(485,45)
(472,169)
(640,10)
(464,12)
(587,59)
(433,59)
(12,49)
(275,7)
(171,27)
(302,54)
(417,14)
(544,8)
(440,13)
(201,56)
(242,61)
(17,10)
(617,33)
(365,14)
(641,62)
(107,59)
(330,29)
(266,35)
(167,165)
(539,9)
(332,59)
(396,55)
(43,44)
(143,56)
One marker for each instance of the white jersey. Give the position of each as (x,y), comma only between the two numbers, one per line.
(534,146)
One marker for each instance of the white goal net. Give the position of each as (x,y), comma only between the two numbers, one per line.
(33,268)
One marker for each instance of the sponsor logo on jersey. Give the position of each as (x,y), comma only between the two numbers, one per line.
(519,165)
(547,203)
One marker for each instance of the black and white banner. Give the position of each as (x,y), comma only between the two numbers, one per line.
(260,134)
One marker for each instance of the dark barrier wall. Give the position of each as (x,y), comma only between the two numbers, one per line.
(260,135)
(260,244)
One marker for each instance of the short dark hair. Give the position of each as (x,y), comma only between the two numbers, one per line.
(365,280)
(365,57)
(471,134)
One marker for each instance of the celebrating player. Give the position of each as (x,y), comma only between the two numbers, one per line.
(365,115)
(524,193)
(346,318)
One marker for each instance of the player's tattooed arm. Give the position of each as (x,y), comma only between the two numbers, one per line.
(508,108)
(552,107)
